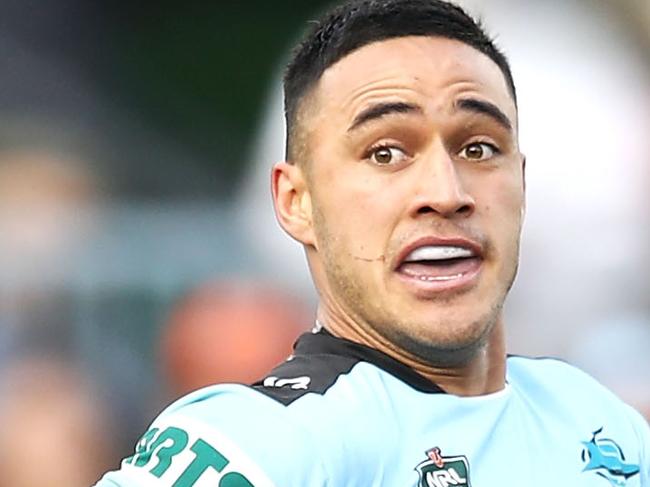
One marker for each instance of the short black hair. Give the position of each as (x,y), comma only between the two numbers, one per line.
(356,23)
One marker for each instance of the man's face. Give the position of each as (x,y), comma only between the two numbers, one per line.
(417,193)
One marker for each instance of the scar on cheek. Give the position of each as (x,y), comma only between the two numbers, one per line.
(381,258)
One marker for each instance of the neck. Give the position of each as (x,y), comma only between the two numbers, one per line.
(483,374)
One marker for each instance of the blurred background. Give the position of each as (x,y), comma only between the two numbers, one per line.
(139,257)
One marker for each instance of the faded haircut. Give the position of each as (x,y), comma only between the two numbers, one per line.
(356,23)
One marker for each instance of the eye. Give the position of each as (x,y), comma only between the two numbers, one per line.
(478,151)
(385,155)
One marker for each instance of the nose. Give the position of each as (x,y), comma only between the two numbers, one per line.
(439,188)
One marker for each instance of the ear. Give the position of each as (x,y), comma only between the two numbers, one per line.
(292,202)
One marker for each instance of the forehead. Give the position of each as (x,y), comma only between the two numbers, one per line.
(436,69)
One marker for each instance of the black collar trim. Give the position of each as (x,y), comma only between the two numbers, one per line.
(323,342)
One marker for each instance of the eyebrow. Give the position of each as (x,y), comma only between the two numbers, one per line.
(380,110)
(485,108)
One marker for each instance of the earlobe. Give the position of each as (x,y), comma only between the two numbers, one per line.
(292,202)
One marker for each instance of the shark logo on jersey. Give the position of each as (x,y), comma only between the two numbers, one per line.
(606,458)
(439,471)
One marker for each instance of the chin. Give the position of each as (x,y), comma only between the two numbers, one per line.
(449,342)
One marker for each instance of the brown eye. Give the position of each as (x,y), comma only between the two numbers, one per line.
(386,155)
(478,151)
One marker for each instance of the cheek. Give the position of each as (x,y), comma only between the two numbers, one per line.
(512,199)
(358,211)
(500,201)
(503,190)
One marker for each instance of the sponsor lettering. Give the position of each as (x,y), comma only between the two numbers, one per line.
(157,449)
(296,383)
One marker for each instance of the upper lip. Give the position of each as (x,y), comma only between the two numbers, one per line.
(473,246)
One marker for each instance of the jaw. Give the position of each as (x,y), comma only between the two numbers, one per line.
(445,322)
(451,337)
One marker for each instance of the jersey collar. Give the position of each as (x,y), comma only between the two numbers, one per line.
(322,342)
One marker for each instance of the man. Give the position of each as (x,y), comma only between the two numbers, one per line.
(405,184)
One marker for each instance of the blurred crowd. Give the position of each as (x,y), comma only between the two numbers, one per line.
(112,305)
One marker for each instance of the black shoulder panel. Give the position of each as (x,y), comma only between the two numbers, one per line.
(303,374)
(320,359)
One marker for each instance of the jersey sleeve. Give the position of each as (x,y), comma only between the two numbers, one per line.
(222,436)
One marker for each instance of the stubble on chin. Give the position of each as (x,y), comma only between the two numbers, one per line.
(447,344)
(451,340)
(454,343)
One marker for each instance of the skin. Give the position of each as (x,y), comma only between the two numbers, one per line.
(361,195)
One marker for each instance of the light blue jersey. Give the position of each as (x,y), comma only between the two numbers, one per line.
(339,414)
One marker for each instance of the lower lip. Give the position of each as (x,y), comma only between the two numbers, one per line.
(426,285)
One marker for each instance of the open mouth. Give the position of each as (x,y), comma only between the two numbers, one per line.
(439,263)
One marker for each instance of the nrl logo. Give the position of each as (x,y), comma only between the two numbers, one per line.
(439,471)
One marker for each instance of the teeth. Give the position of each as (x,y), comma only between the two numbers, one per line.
(440,278)
(438,252)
